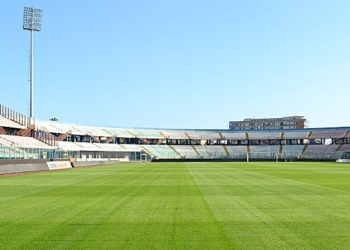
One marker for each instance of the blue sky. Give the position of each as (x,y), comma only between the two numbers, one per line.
(179,64)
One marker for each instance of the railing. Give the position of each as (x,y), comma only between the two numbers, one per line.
(14,115)
(45,137)
(43,153)
(33,153)
(332,155)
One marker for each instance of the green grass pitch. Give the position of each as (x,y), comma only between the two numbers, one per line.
(179,206)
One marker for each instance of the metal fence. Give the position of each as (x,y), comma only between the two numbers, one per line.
(44,153)
(31,153)
(331,155)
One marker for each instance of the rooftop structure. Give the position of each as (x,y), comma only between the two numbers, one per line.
(288,122)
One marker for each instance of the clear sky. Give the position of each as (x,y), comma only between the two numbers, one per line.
(179,63)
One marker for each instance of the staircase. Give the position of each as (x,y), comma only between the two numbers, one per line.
(247,147)
(303,151)
(44,129)
(160,141)
(144,140)
(55,127)
(95,138)
(195,150)
(108,132)
(197,141)
(161,133)
(280,150)
(306,145)
(338,148)
(26,131)
(131,133)
(78,129)
(147,151)
(97,145)
(2,131)
(308,135)
(343,136)
(109,139)
(61,137)
(226,151)
(176,151)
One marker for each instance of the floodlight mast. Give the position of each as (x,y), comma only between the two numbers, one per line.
(32,22)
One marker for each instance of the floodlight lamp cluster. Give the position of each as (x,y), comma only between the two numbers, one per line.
(32,19)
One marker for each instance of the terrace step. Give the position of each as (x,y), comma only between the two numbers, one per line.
(144,140)
(195,150)
(280,150)
(147,151)
(226,151)
(61,137)
(2,131)
(175,151)
(304,149)
(109,139)
(26,131)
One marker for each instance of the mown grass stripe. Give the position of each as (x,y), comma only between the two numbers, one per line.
(179,206)
(261,211)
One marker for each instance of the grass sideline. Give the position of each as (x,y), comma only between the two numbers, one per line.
(190,205)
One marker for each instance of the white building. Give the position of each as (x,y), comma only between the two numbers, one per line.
(288,122)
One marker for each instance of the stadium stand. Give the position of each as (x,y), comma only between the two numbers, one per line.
(345,147)
(119,132)
(73,140)
(148,134)
(216,152)
(234,135)
(94,131)
(323,134)
(256,135)
(202,151)
(295,134)
(25,142)
(174,134)
(4,122)
(66,145)
(264,152)
(293,149)
(186,151)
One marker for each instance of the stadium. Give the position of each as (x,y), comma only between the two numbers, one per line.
(53,140)
(182,189)
(263,185)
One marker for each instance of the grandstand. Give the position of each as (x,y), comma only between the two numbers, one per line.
(49,139)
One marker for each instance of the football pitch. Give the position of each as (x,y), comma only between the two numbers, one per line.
(189,205)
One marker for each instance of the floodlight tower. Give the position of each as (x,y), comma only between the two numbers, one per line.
(32,22)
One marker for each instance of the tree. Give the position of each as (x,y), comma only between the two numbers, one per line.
(54,119)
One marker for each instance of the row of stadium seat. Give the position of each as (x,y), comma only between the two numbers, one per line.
(198,151)
(21,141)
(177,151)
(61,128)
(4,122)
